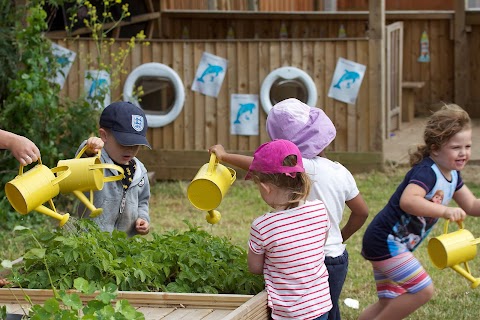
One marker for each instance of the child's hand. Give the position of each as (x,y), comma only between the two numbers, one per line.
(24,150)
(142,226)
(218,150)
(94,145)
(454,214)
(3,282)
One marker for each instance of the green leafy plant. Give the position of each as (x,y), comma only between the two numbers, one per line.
(192,261)
(69,305)
(33,106)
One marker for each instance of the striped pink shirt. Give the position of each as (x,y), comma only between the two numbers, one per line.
(295,274)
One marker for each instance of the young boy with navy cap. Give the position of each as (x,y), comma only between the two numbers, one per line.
(123,129)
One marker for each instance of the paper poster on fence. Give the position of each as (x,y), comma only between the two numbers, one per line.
(244,110)
(97,86)
(65,59)
(346,81)
(210,74)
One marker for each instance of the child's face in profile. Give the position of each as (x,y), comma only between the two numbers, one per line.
(117,152)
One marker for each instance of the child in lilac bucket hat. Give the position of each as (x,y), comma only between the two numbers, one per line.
(312,131)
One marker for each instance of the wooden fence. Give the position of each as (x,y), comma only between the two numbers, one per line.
(180,147)
(437,74)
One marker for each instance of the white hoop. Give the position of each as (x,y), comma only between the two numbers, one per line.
(288,73)
(157,70)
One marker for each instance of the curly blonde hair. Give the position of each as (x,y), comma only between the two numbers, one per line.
(441,126)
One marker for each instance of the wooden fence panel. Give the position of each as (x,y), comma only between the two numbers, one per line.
(205,120)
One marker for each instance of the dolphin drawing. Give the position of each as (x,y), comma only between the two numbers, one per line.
(348,75)
(62,60)
(97,83)
(211,69)
(244,108)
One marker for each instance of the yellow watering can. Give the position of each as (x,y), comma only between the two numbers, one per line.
(28,191)
(453,249)
(87,175)
(209,186)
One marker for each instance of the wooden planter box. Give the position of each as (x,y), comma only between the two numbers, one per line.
(161,305)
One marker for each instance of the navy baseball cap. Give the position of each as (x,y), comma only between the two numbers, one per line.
(127,123)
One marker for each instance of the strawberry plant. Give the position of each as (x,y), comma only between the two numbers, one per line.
(191,262)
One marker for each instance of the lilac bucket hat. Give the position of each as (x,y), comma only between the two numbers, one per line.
(307,127)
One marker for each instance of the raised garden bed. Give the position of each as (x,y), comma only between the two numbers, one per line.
(160,305)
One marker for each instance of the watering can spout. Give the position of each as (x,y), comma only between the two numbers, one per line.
(467,275)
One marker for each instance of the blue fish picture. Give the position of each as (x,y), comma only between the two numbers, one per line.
(97,85)
(346,81)
(65,58)
(211,70)
(244,114)
(210,74)
(244,109)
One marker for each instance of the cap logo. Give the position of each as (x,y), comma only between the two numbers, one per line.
(137,122)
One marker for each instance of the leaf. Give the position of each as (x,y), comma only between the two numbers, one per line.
(123,307)
(71,300)
(81,285)
(35,253)
(20,228)
(51,305)
(7,264)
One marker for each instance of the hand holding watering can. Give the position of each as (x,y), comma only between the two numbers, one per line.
(453,249)
(28,191)
(87,175)
(209,186)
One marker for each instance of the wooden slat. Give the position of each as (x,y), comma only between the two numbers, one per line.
(217,315)
(222,104)
(364,127)
(187,314)
(461,55)
(152,313)
(351,111)
(187,74)
(232,80)
(178,125)
(259,302)
(199,103)
(136,298)
(252,87)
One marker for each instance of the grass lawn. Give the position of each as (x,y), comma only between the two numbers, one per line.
(453,299)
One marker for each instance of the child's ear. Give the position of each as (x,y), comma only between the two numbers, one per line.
(266,187)
(103,134)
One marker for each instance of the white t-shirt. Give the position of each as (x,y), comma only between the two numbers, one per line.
(295,274)
(334,185)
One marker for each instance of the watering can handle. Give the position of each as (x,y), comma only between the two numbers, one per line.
(445,228)
(20,171)
(213,162)
(66,172)
(110,166)
(79,155)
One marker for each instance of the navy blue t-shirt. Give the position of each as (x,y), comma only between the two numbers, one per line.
(393,231)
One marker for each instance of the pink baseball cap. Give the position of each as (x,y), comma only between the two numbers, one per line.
(307,127)
(268,158)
